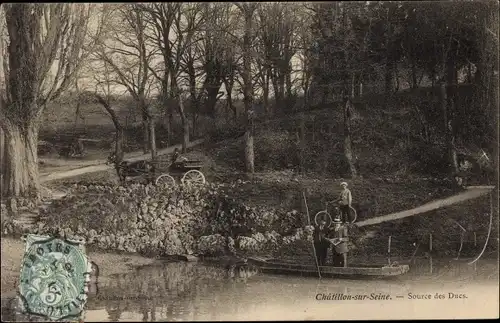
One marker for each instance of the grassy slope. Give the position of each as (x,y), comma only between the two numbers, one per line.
(399,170)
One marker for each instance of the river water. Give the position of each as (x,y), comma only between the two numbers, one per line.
(195,291)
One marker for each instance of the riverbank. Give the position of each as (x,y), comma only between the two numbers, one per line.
(109,263)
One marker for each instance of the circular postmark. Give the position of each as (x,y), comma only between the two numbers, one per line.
(53,279)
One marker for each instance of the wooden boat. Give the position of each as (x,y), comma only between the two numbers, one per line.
(354,271)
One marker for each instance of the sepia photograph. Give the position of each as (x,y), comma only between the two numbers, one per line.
(249,161)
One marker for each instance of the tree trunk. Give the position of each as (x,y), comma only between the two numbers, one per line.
(396,75)
(420,79)
(195,104)
(414,79)
(288,80)
(185,124)
(145,129)
(352,85)
(152,138)
(21,160)
(119,139)
(231,106)
(229,90)
(302,144)
(306,96)
(348,153)
(277,94)
(249,151)
(193,124)
(448,122)
(211,100)
(77,114)
(119,135)
(469,73)
(168,111)
(167,124)
(170,126)
(281,86)
(447,106)
(248,93)
(448,129)
(389,73)
(265,94)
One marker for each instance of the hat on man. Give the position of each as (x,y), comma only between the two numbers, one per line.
(343,184)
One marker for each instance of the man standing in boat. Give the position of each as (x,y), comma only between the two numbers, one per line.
(339,243)
(321,243)
(345,200)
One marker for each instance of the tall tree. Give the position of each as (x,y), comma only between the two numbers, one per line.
(305,53)
(338,49)
(247,10)
(45,46)
(278,25)
(183,20)
(126,53)
(102,91)
(160,18)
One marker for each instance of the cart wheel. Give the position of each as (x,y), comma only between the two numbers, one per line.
(193,177)
(166,180)
(323,215)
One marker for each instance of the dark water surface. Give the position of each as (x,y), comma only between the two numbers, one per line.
(194,291)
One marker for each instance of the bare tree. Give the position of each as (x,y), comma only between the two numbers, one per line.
(183,20)
(278,37)
(305,52)
(218,55)
(248,9)
(334,24)
(192,72)
(102,91)
(45,46)
(160,26)
(126,53)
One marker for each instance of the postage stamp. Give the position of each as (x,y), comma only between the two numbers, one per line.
(54,278)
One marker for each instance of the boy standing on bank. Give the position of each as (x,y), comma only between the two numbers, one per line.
(345,200)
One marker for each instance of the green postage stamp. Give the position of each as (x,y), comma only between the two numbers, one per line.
(54,278)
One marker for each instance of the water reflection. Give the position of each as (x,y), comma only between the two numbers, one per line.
(192,291)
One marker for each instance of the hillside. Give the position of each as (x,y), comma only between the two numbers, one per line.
(400,167)
(397,136)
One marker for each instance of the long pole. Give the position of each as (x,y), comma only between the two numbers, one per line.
(309,223)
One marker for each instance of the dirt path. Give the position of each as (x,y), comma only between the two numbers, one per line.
(472,192)
(100,165)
